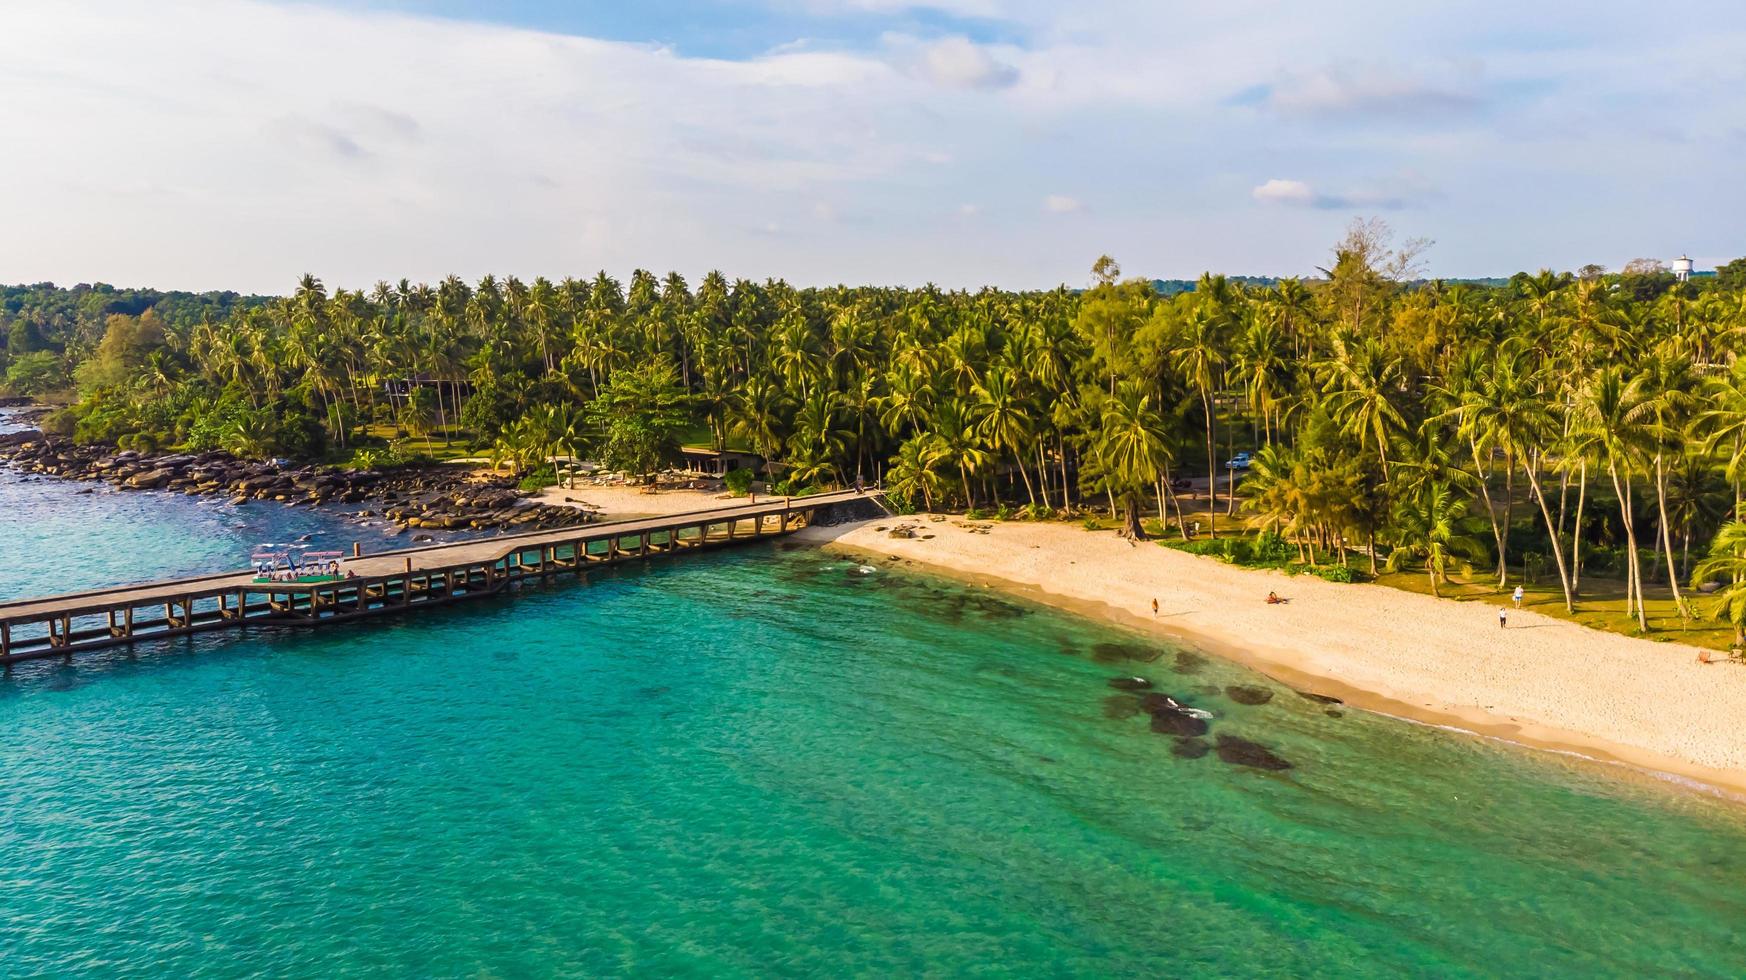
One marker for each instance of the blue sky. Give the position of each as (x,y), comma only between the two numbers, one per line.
(718,28)
(240,143)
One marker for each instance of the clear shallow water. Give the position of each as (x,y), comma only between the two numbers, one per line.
(761,763)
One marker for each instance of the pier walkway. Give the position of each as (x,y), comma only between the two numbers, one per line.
(386,582)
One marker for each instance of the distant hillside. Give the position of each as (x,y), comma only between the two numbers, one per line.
(1170,287)
(44,316)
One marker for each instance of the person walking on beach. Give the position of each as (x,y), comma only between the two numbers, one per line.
(1518,597)
(1503,618)
(1154,608)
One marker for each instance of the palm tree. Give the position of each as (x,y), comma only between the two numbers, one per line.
(820,442)
(1272,491)
(908,401)
(1433,526)
(955,429)
(915,470)
(757,416)
(1132,450)
(1199,358)
(1362,383)
(1666,385)
(1727,563)
(1003,420)
(1611,428)
(1506,408)
(1262,368)
(1724,424)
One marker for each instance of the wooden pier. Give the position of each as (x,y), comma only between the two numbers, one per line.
(385,582)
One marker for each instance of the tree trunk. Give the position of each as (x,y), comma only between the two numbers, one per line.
(1551,529)
(1212,475)
(1175,502)
(1030,492)
(1066,486)
(1667,534)
(1503,567)
(1134,531)
(1043,476)
(1563,499)
(1231,476)
(1485,495)
(1633,574)
(1576,533)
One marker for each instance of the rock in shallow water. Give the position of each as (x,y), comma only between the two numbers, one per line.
(1189,663)
(1242,752)
(1245,694)
(1115,653)
(1175,721)
(1190,748)
(1130,683)
(1160,702)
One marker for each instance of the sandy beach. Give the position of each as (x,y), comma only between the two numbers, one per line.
(629,501)
(1540,682)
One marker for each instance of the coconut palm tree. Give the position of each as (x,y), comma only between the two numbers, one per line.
(1506,408)
(1433,527)
(955,428)
(1727,564)
(1003,420)
(1261,366)
(1132,450)
(1198,356)
(1363,381)
(1611,428)
(757,416)
(1667,386)
(915,471)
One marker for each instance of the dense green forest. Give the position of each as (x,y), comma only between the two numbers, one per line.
(1595,420)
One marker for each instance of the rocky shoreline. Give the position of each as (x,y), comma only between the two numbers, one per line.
(430,498)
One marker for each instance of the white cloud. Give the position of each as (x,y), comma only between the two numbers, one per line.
(968,210)
(1377,90)
(238,143)
(374,145)
(1403,190)
(960,63)
(1276,191)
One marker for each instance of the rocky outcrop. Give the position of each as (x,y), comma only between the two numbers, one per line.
(1242,752)
(1248,694)
(431,498)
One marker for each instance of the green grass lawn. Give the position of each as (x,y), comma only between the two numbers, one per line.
(1600,604)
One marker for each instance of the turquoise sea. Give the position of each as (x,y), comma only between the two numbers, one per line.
(765,762)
